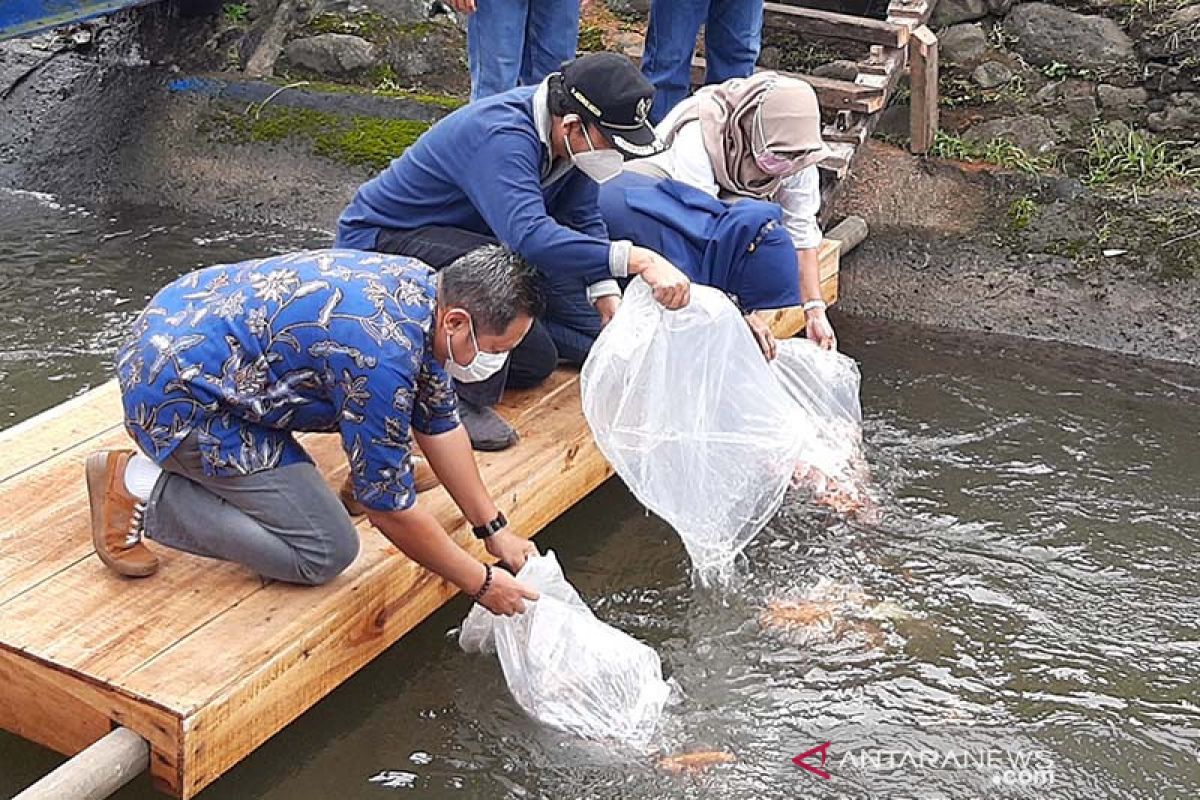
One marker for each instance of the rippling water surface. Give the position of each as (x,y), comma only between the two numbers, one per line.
(1021,622)
(72,278)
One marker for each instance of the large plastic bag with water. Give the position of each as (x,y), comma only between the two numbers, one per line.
(824,385)
(568,669)
(706,432)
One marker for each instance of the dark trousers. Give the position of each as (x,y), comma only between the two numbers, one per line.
(530,362)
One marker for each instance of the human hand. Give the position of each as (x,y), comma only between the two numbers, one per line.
(462,6)
(762,335)
(818,329)
(511,549)
(506,596)
(671,287)
(606,307)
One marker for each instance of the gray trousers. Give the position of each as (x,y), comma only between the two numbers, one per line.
(284,523)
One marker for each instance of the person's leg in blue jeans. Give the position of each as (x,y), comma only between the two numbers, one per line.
(670,42)
(569,319)
(732,39)
(496,45)
(551,37)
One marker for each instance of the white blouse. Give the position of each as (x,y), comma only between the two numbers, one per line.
(687,161)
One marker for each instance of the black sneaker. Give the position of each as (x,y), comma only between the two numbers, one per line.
(487,429)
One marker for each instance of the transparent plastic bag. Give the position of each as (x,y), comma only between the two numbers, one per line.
(566,668)
(690,415)
(824,385)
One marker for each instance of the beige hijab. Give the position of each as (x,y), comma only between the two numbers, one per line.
(789,121)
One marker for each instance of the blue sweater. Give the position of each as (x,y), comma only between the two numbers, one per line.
(480,169)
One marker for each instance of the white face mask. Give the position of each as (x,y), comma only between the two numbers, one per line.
(599,165)
(482,366)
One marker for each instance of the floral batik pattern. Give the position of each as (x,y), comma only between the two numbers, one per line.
(246,354)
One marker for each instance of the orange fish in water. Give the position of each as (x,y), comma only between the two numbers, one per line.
(790,613)
(695,762)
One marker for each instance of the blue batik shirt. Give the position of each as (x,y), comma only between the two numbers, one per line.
(328,340)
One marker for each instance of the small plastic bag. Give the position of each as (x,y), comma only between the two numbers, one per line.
(689,414)
(566,668)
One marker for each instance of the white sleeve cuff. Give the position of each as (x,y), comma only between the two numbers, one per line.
(618,259)
(602,289)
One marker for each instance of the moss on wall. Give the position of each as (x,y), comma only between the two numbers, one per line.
(358,141)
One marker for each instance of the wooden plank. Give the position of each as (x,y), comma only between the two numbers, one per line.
(44,518)
(58,429)
(66,713)
(831,93)
(831,25)
(923,72)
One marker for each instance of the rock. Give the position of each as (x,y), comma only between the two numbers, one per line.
(1182,115)
(841,70)
(403,12)
(895,122)
(991,74)
(1047,34)
(639,8)
(333,54)
(431,55)
(1118,103)
(630,43)
(1059,92)
(769,57)
(952,12)
(962,44)
(1032,133)
(999,7)
(1081,109)
(1068,189)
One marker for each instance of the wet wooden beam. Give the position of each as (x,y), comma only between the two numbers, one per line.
(831,93)
(923,74)
(831,25)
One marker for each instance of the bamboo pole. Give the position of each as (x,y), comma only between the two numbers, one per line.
(97,772)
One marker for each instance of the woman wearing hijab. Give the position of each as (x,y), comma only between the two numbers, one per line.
(757,138)
(740,248)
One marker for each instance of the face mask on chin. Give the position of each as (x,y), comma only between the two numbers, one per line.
(482,366)
(599,165)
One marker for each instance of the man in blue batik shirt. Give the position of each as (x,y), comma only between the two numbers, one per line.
(227,363)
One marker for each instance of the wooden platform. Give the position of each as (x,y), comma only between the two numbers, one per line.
(205,660)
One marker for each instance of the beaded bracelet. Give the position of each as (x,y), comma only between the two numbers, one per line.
(487,584)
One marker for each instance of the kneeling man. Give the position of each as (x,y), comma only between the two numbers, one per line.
(227,363)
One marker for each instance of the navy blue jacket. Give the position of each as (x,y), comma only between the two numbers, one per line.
(740,248)
(480,169)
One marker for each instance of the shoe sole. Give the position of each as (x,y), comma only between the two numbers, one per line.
(495,447)
(95,469)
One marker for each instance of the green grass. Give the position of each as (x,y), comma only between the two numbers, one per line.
(1134,160)
(1000,152)
(1021,213)
(235,13)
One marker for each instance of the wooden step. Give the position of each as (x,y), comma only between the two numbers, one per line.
(834,26)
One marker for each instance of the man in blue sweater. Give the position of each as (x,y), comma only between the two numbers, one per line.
(522,168)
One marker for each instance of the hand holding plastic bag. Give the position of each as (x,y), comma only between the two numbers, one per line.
(568,669)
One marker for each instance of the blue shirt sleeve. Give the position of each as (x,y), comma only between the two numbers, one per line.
(376,412)
(506,190)
(436,408)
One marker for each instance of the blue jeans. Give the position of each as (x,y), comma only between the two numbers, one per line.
(519,42)
(571,321)
(732,39)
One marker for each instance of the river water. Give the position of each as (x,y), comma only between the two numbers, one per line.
(1022,621)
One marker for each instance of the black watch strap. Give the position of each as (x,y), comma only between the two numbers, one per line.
(484,531)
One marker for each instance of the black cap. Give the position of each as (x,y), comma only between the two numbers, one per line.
(609,91)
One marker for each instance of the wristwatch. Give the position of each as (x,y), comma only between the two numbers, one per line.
(498,524)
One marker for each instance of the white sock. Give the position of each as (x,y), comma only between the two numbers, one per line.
(140,476)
